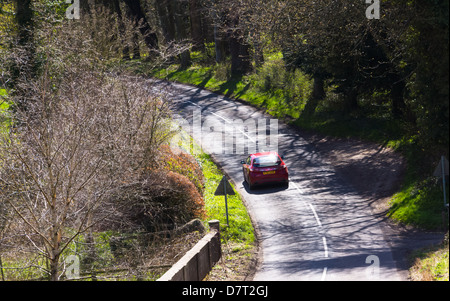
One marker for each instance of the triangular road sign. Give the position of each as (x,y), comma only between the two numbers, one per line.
(224,186)
(438,171)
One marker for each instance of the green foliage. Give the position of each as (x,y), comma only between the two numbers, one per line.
(283,93)
(290,88)
(5,119)
(14,268)
(420,204)
(55,8)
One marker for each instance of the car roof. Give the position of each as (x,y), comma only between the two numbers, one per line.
(263,154)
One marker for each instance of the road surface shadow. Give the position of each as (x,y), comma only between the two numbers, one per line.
(266,188)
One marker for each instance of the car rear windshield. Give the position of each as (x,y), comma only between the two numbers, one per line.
(266,161)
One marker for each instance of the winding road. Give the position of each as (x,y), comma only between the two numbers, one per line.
(318,228)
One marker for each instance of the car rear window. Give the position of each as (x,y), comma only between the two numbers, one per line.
(266,161)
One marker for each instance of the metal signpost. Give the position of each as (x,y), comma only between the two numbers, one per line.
(225,189)
(440,172)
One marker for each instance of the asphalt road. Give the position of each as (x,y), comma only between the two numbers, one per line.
(316,229)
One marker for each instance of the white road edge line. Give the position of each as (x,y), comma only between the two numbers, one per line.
(325,247)
(197,105)
(296,187)
(324,274)
(315,214)
(309,204)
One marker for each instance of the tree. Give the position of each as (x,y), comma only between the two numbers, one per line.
(25,42)
(167,19)
(196,25)
(141,22)
(181,23)
(24,18)
(226,17)
(68,152)
(427,55)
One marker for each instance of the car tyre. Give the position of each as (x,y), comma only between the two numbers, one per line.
(250,186)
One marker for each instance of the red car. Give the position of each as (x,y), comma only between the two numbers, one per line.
(266,167)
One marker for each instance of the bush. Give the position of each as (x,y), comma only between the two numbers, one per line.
(161,200)
(184,164)
(291,89)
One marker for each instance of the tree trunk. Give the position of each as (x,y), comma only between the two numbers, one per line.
(54,263)
(114,5)
(352,99)
(1,268)
(240,53)
(240,56)
(318,90)
(219,44)
(181,33)
(398,102)
(24,18)
(25,68)
(259,55)
(150,38)
(84,7)
(166,19)
(196,25)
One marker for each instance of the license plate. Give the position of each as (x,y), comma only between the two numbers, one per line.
(268,172)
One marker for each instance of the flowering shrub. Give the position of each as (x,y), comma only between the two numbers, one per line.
(184,164)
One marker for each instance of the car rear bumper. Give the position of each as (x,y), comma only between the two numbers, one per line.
(258,180)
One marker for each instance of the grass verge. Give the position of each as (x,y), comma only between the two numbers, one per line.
(431,264)
(240,228)
(279,92)
(239,249)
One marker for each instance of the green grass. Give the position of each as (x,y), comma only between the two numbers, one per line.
(420,202)
(280,93)
(431,264)
(4,104)
(240,228)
